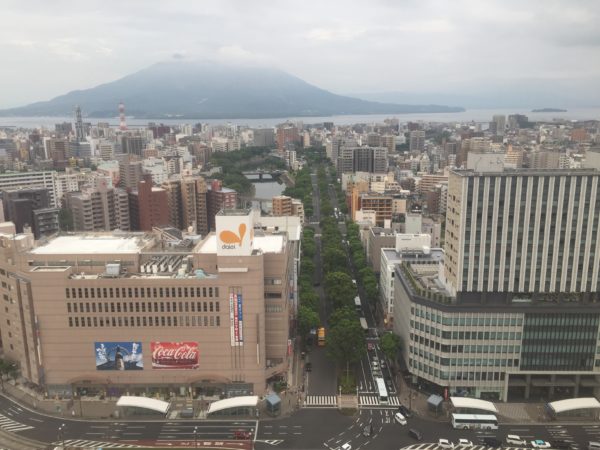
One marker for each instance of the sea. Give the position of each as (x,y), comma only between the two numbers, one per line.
(470,115)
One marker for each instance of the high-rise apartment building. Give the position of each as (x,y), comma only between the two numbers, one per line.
(20,206)
(263,137)
(219,198)
(499,122)
(513,310)
(45,179)
(416,142)
(187,197)
(148,206)
(288,136)
(130,170)
(362,159)
(132,144)
(99,208)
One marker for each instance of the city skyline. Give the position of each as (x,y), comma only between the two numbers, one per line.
(499,45)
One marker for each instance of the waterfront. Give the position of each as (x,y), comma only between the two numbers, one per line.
(474,115)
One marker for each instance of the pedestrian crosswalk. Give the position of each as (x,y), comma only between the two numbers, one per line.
(363,401)
(373,400)
(559,432)
(11,425)
(81,443)
(320,401)
(435,446)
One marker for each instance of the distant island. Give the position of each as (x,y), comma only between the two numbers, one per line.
(549,110)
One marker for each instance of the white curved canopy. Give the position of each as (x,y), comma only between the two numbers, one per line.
(571,404)
(143,402)
(247,401)
(473,403)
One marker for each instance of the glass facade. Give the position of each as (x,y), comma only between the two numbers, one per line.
(559,342)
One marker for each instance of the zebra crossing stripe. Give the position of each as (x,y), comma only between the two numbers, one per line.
(94,444)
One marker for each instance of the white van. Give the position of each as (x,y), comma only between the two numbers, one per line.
(515,440)
(592,445)
(400,419)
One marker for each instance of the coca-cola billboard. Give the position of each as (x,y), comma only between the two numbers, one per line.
(175,355)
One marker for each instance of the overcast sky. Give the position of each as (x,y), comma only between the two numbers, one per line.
(48,48)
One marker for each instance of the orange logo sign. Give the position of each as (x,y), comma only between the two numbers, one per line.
(229,237)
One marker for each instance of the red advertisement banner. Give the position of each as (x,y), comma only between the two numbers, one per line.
(175,355)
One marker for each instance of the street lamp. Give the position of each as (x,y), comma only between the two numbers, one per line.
(195,437)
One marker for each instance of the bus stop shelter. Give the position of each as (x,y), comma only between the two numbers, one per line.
(135,406)
(235,406)
(472,405)
(574,407)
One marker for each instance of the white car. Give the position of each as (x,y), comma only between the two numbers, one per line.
(445,443)
(346,446)
(538,443)
(464,443)
(400,419)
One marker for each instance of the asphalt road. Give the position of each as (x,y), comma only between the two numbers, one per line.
(43,428)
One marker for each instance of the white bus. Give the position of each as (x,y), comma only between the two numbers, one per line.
(357,304)
(363,324)
(475,421)
(383,395)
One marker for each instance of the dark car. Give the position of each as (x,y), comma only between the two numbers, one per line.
(404,411)
(308,367)
(560,444)
(415,434)
(492,442)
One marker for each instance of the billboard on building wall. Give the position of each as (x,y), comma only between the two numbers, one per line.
(236,318)
(119,356)
(175,355)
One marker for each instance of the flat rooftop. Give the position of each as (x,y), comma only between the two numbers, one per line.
(82,244)
(526,172)
(436,255)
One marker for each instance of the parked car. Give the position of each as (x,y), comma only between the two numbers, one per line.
(445,443)
(242,434)
(187,413)
(464,443)
(404,411)
(308,367)
(400,419)
(538,443)
(492,442)
(415,434)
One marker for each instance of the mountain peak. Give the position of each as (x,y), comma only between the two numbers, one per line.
(207,89)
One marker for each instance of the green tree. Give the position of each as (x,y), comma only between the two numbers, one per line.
(346,342)
(307,319)
(341,314)
(334,259)
(339,289)
(390,345)
(310,299)
(65,219)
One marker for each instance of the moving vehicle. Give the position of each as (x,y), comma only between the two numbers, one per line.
(415,434)
(560,444)
(474,421)
(354,282)
(593,445)
(464,443)
(515,440)
(363,324)
(187,413)
(242,434)
(445,443)
(405,411)
(368,430)
(400,419)
(370,346)
(492,442)
(346,446)
(383,395)
(538,443)
(321,337)
(357,305)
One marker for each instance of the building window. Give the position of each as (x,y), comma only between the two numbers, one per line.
(67,292)
(218,320)
(70,321)
(217,306)
(68,307)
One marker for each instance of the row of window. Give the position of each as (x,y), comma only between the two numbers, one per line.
(141,292)
(129,307)
(486,335)
(468,320)
(488,348)
(456,375)
(145,321)
(477,362)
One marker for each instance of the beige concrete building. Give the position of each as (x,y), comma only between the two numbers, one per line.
(115,313)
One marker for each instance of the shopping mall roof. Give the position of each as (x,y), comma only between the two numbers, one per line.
(144,403)
(86,244)
(473,403)
(248,401)
(571,404)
